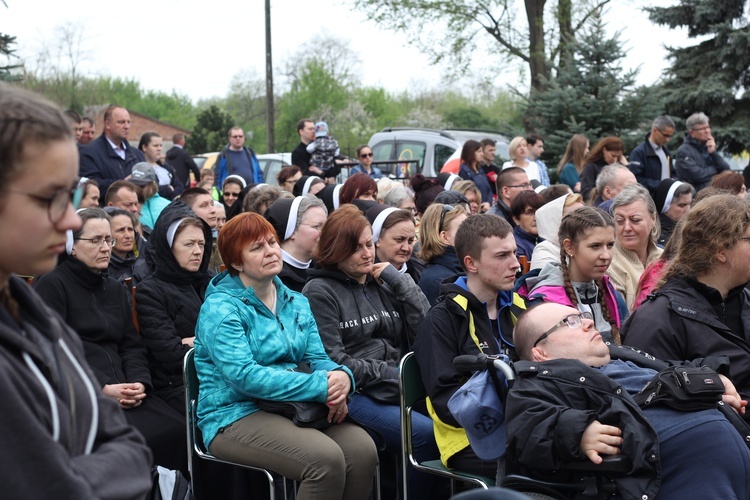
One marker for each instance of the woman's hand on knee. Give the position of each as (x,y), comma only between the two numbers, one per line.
(339,386)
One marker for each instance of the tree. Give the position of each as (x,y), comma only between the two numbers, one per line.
(592,95)
(320,79)
(453,32)
(712,76)
(210,132)
(7,72)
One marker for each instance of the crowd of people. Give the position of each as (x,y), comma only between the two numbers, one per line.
(311,291)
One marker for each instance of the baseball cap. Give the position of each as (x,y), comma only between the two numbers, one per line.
(321,129)
(143,174)
(477,408)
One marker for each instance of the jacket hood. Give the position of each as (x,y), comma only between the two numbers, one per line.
(549,217)
(167,267)
(549,275)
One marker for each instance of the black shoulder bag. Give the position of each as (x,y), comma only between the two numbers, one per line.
(683,388)
(302,413)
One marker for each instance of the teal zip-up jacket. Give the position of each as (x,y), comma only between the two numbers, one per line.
(243,352)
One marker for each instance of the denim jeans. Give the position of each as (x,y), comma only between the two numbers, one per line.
(386,421)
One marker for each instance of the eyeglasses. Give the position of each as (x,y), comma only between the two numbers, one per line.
(57,204)
(446,209)
(668,136)
(99,241)
(413,210)
(233,195)
(573,321)
(525,185)
(366,155)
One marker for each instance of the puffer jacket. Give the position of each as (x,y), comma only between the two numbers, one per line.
(243,352)
(678,322)
(365,327)
(168,303)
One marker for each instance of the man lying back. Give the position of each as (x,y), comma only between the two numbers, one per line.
(572,402)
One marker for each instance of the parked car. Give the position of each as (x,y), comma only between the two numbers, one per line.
(205,160)
(432,148)
(271,163)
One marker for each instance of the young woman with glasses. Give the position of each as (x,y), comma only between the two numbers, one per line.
(56,416)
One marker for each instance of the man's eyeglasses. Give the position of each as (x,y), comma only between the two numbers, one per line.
(446,209)
(366,155)
(668,136)
(525,185)
(57,204)
(573,321)
(99,241)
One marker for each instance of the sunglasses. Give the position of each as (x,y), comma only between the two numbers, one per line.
(366,155)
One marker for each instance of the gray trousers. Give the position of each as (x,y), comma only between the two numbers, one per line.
(334,463)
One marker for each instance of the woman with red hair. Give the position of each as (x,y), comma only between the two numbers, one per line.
(358,187)
(252,332)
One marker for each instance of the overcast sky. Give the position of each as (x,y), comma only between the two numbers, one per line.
(195,46)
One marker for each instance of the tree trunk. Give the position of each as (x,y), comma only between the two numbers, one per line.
(565,26)
(537,55)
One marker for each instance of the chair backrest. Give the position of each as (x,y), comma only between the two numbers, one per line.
(194,437)
(410,381)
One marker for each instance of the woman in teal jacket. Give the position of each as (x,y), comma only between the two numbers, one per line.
(252,332)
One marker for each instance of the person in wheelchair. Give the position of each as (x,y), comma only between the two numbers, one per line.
(571,402)
(474,314)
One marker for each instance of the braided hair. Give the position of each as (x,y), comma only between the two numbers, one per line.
(573,227)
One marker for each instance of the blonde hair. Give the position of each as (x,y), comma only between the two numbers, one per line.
(429,230)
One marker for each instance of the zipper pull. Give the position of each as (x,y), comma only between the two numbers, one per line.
(649,398)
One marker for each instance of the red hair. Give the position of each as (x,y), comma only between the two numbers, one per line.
(356,185)
(339,237)
(239,232)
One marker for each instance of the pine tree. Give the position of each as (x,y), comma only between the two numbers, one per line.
(592,95)
(712,76)
(210,132)
(6,50)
